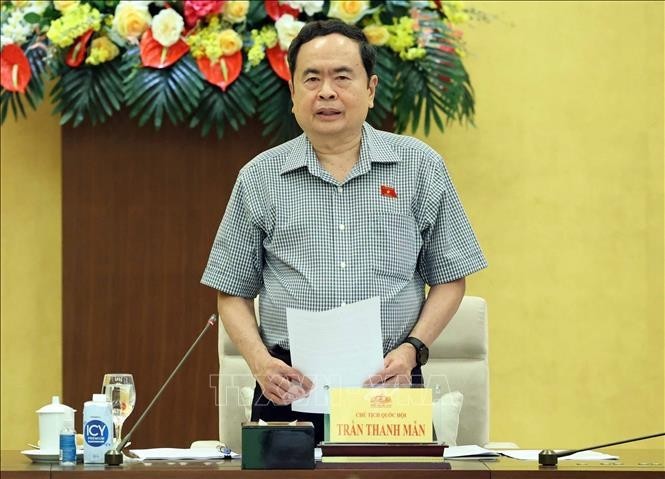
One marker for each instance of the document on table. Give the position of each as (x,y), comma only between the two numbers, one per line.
(477,452)
(469,452)
(166,453)
(532,455)
(340,347)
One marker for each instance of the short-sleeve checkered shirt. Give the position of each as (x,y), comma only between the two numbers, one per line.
(301,239)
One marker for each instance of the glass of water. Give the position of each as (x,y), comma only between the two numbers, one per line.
(120,391)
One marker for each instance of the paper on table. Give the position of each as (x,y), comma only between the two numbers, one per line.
(340,347)
(532,455)
(197,453)
(470,451)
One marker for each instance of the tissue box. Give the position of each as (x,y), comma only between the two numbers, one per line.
(278,445)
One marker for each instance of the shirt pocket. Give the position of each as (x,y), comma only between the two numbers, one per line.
(396,245)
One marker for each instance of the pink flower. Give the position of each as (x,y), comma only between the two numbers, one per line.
(195,9)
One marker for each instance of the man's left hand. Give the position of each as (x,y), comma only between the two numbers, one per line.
(397,366)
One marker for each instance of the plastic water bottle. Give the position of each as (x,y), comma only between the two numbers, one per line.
(97,429)
(68,443)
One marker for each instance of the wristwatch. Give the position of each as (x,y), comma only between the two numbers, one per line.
(422,351)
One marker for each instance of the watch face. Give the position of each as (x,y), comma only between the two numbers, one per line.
(424,355)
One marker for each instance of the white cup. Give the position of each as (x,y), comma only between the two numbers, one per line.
(51,419)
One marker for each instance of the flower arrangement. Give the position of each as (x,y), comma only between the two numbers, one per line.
(215,63)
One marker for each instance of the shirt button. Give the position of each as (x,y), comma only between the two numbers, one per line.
(339,189)
(342,227)
(342,265)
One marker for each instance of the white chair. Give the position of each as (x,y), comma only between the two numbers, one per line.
(458,361)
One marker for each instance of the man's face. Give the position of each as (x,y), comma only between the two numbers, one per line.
(330,90)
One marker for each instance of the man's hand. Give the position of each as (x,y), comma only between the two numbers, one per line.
(279,382)
(397,366)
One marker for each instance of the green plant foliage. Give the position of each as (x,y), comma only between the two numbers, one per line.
(93,93)
(274,105)
(153,92)
(216,107)
(386,65)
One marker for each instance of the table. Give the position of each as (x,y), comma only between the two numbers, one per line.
(638,463)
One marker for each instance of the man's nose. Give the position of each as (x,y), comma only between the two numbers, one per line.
(327,92)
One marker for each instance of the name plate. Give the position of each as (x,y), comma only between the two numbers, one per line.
(389,415)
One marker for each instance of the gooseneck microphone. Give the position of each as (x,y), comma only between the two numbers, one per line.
(113,457)
(550,458)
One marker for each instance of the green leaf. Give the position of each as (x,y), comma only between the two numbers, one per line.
(175,91)
(32,17)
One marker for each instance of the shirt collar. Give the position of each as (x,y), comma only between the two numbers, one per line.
(373,149)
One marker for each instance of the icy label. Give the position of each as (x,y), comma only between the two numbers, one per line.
(96,433)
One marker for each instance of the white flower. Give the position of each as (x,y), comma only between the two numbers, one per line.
(15,29)
(310,7)
(36,6)
(167,26)
(287,29)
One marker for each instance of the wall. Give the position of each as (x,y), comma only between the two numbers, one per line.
(563,180)
(30,336)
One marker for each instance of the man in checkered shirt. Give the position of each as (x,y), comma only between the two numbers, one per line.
(342,213)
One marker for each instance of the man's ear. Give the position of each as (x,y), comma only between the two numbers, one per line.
(293,105)
(371,87)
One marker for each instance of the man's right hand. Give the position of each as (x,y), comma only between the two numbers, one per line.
(279,382)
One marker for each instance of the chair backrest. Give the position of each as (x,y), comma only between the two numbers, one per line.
(458,360)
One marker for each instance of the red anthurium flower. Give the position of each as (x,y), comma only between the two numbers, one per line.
(274,9)
(155,55)
(224,71)
(195,9)
(277,59)
(15,70)
(77,51)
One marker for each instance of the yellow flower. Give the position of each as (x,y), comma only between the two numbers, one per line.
(131,19)
(413,54)
(74,23)
(229,42)
(102,50)
(64,5)
(167,26)
(349,11)
(235,11)
(454,12)
(376,34)
(20,3)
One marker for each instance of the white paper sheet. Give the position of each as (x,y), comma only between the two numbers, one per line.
(340,347)
(532,455)
(468,452)
(165,453)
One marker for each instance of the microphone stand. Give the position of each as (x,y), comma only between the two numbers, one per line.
(549,458)
(113,457)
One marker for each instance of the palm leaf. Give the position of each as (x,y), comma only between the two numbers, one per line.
(386,65)
(151,92)
(218,108)
(274,104)
(88,92)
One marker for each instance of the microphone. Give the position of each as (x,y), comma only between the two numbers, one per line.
(549,458)
(113,457)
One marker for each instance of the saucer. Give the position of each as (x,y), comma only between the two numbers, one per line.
(39,456)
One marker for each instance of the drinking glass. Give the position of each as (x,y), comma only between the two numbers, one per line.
(120,391)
